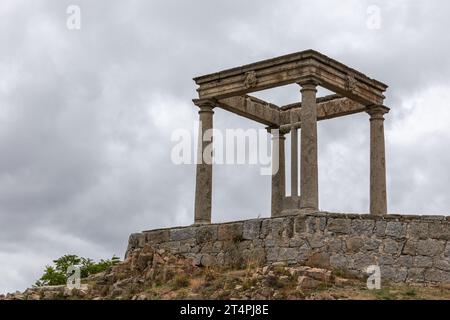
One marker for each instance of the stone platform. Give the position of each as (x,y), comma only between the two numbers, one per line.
(407,248)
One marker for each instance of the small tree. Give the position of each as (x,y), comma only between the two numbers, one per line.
(57,274)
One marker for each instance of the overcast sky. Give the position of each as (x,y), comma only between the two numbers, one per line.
(86,116)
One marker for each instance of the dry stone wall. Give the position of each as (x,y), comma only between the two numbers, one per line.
(407,248)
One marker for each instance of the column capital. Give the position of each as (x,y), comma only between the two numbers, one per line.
(377,111)
(276,133)
(309,84)
(205,105)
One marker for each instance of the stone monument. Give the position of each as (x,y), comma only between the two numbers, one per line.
(354,92)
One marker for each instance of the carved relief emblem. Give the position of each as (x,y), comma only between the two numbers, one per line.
(250,80)
(350,83)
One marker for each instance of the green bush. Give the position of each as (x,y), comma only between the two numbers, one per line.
(56,274)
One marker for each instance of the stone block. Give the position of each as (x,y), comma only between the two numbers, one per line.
(183,233)
(230,231)
(319,259)
(393,273)
(335,246)
(316,241)
(396,229)
(440,230)
(447,249)
(157,236)
(442,264)
(430,247)
(405,261)
(418,230)
(251,229)
(354,244)
(206,234)
(416,275)
(386,260)
(288,254)
(339,261)
(362,227)
(362,260)
(410,248)
(339,226)
(436,275)
(372,244)
(380,228)
(423,262)
(299,225)
(208,260)
(315,224)
(254,257)
(391,246)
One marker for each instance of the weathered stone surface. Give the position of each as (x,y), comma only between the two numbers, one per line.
(391,246)
(447,249)
(430,247)
(319,259)
(230,231)
(206,234)
(418,230)
(290,254)
(339,225)
(337,245)
(251,229)
(416,275)
(315,224)
(316,241)
(409,248)
(386,260)
(423,262)
(436,275)
(442,264)
(208,260)
(300,225)
(393,273)
(380,228)
(363,227)
(339,261)
(183,234)
(440,230)
(396,229)
(157,236)
(405,261)
(354,244)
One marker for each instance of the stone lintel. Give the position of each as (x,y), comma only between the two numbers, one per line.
(252,108)
(292,68)
(329,107)
(271,115)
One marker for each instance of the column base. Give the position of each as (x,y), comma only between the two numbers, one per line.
(201,222)
(308,210)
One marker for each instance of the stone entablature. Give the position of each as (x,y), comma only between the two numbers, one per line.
(407,248)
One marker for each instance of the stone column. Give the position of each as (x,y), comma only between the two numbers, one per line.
(294,162)
(309,186)
(278,176)
(378,202)
(203,183)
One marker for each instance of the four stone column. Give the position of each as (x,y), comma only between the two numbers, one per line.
(309,199)
(203,186)
(378,201)
(278,171)
(309,185)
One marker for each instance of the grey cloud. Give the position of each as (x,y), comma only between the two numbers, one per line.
(84,133)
